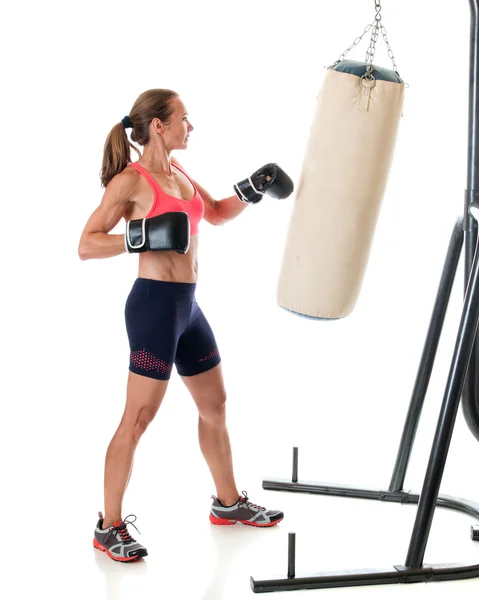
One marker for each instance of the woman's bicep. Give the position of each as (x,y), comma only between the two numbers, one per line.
(104,218)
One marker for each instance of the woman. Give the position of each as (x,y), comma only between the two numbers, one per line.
(162,207)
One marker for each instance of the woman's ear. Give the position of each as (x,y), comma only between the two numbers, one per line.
(157,125)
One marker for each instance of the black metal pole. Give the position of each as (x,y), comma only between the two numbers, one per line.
(470,403)
(445,426)
(427,359)
(294,477)
(291,555)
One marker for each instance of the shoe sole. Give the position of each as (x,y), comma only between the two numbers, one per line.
(218,521)
(102,548)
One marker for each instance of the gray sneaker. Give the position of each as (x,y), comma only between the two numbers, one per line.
(117,542)
(244,512)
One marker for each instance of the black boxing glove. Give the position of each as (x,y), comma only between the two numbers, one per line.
(169,231)
(270,179)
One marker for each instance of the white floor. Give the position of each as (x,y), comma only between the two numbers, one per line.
(189,558)
(204,562)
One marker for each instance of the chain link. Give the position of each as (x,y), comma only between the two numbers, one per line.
(377,28)
(355,43)
(390,52)
(374,34)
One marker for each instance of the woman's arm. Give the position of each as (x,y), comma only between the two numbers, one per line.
(217,212)
(96,241)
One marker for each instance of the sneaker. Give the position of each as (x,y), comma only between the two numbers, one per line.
(117,542)
(244,512)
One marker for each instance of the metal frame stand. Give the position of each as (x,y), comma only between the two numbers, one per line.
(463,380)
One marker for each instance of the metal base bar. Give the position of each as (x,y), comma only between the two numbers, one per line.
(404,497)
(349,578)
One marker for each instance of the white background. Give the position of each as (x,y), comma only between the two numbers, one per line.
(249,74)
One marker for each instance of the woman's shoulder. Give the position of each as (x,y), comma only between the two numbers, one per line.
(126,182)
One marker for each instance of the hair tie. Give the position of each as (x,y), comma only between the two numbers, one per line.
(127,124)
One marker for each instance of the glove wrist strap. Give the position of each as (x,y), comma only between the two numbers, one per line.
(135,235)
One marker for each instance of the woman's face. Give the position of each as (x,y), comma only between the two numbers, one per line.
(177,130)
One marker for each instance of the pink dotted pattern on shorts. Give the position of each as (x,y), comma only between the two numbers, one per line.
(212,354)
(142,359)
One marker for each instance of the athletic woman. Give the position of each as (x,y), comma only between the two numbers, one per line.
(162,208)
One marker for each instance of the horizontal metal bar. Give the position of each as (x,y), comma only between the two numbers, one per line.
(357,577)
(404,497)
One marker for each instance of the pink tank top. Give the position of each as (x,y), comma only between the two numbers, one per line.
(163,202)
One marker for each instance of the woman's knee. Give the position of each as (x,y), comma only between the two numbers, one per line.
(213,409)
(134,426)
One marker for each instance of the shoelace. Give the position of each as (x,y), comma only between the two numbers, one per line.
(123,531)
(254,506)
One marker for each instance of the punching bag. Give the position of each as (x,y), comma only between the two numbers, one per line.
(340,190)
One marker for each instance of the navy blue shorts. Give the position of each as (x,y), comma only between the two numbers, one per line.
(165,326)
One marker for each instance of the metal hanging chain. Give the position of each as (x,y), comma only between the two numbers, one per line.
(374,37)
(376,27)
(355,43)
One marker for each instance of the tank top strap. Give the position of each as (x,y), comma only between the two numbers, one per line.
(148,177)
(179,168)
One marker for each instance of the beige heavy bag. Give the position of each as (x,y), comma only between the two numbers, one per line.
(340,190)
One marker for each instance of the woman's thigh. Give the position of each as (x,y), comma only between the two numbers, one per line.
(197,350)
(208,391)
(143,399)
